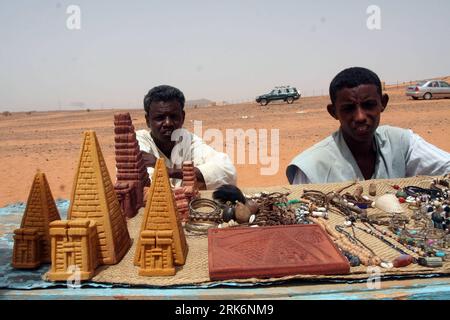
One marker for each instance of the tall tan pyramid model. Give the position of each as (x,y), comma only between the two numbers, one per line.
(162,242)
(96,232)
(32,240)
(93,197)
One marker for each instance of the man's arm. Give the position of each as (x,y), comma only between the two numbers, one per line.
(423,158)
(300,178)
(150,161)
(178,174)
(215,167)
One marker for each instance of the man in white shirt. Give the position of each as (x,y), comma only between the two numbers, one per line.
(360,149)
(164,114)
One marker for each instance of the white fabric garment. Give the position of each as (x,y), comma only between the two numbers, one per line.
(423,158)
(216,167)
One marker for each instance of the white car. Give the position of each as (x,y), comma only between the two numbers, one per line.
(429,89)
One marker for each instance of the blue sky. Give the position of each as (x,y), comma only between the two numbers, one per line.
(219,50)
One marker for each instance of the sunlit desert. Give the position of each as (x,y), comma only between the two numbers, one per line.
(50,141)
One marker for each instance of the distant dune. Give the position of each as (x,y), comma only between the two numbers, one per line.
(199,103)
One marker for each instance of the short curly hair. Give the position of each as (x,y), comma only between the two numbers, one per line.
(163,93)
(351,78)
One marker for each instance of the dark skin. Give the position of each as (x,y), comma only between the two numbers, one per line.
(163,119)
(358,111)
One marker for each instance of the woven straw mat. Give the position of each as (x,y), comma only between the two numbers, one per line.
(195,271)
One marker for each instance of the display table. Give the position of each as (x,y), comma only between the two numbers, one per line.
(25,284)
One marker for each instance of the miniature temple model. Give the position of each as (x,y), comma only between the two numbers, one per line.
(75,242)
(132,176)
(32,240)
(162,242)
(92,199)
(26,252)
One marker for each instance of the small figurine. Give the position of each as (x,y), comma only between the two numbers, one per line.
(32,240)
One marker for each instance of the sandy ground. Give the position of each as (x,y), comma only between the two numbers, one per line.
(50,141)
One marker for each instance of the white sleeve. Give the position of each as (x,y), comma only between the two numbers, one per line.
(423,158)
(300,178)
(216,167)
(145,144)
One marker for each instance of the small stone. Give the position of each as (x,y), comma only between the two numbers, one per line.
(253,207)
(354,261)
(228,214)
(348,223)
(440,254)
(242,213)
(252,218)
(358,191)
(386,265)
(402,261)
(373,189)
(401,194)
(362,205)
(401,200)
(436,217)
(318,214)
(396,186)
(224,225)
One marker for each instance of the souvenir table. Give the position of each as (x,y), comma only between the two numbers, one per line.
(191,281)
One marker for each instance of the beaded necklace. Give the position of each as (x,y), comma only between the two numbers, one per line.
(365,255)
(374,232)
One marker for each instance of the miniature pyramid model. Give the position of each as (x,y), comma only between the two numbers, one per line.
(40,211)
(160,216)
(93,197)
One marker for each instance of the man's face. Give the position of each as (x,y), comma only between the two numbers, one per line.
(164,117)
(358,110)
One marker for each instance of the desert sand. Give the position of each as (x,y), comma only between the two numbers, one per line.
(50,141)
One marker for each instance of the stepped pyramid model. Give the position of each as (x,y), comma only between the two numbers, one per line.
(132,175)
(39,212)
(182,203)
(162,242)
(93,197)
(189,182)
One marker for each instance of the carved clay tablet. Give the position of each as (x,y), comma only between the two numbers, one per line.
(274,251)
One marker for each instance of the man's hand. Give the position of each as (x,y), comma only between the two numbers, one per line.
(149,159)
(178,174)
